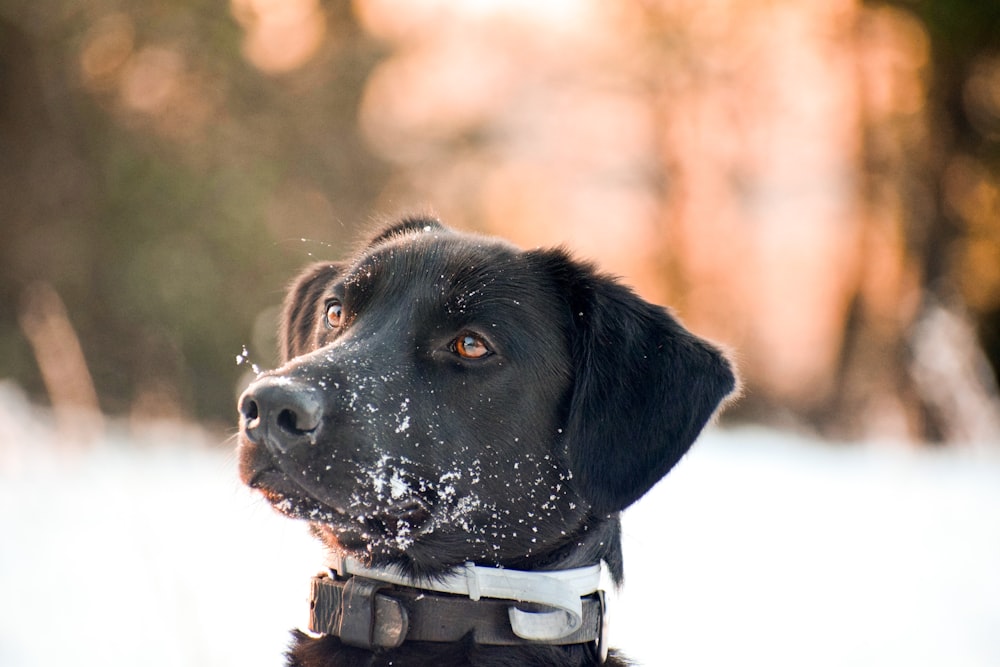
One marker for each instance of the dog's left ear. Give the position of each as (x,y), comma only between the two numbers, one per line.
(643,389)
(301,309)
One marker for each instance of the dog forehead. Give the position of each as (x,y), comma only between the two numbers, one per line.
(442,266)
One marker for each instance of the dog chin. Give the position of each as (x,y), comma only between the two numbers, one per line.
(368,546)
(385,530)
(297,506)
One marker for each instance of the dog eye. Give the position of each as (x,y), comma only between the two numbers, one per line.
(470,346)
(334,314)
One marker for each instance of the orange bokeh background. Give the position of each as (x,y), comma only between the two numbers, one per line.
(779,173)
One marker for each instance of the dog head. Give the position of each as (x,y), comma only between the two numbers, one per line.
(447,398)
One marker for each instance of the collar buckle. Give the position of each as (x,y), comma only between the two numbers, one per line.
(355,612)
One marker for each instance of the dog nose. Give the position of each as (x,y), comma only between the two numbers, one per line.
(280,413)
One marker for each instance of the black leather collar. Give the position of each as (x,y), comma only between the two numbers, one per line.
(375,615)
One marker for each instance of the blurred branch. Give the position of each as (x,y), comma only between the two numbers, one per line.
(954,376)
(46,325)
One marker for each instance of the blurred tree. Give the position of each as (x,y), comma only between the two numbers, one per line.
(965,89)
(815,184)
(951,177)
(162,169)
(763,167)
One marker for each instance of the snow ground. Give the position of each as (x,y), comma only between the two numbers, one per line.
(760,548)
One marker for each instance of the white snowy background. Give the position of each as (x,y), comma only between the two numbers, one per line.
(760,548)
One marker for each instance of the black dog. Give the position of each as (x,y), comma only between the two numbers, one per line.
(448,400)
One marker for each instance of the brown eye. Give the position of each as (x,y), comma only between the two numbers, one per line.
(470,346)
(334,314)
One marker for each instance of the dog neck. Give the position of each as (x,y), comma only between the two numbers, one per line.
(379,608)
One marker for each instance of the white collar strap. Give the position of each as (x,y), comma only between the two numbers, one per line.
(559,589)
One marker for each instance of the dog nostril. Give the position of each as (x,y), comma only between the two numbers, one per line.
(288,421)
(249,410)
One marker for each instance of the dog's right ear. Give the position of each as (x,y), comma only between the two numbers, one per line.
(301,310)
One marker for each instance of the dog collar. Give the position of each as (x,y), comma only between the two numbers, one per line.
(381,607)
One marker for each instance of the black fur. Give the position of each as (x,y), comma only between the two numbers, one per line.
(401,451)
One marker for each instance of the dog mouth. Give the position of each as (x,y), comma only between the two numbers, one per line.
(289,498)
(404,516)
(360,526)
